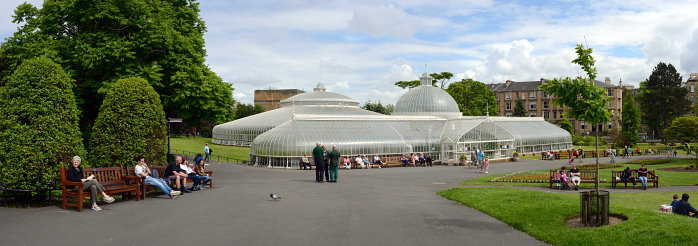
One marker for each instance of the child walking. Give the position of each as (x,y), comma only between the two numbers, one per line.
(487,164)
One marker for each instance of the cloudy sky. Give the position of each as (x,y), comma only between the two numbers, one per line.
(361,48)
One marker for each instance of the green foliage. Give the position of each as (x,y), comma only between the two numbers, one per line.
(662,98)
(131,122)
(520,109)
(440,78)
(378,107)
(586,100)
(99,43)
(542,215)
(38,125)
(565,124)
(630,122)
(473,97)
(244,110)
(684,129)
(586,140)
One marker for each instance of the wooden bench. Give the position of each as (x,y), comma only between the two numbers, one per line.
(556,155)
(651,178)
(161,172)
(588,177)
(111,178)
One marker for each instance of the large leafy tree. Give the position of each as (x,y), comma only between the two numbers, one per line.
(662,98)
(131,122)
(519,109)
(630,121)
(38,125)
(99,42)
(565,124)
(586,100)
(440,79)
(473,97)
(244,110)
(378,107)
(684,129)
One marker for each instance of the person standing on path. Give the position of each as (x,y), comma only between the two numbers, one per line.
(480,159)
(317,158)
(334,163)
(326,162)
(206,152)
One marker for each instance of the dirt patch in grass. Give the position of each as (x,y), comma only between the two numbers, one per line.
(575,221)
(679,169)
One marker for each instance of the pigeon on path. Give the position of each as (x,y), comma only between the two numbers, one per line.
(274,196)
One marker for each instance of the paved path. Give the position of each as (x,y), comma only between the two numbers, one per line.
(394,206)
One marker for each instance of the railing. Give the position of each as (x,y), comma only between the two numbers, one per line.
(218,158)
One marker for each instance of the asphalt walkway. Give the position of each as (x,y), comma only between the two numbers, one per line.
(390,206)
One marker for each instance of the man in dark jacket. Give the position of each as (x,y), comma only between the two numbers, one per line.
(174,173)
(326,162)
(317,158)
(334,163)
(683,207)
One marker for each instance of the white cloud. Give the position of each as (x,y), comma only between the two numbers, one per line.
(689,56)
(339,87)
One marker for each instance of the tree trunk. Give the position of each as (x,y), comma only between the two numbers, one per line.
(597,163)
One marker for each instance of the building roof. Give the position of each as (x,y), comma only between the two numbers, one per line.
(532,85)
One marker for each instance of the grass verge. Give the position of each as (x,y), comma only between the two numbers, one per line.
(542,214)
(669,178)
(196,145)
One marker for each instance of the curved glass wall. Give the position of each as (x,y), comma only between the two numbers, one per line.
(427,100)
(535,136)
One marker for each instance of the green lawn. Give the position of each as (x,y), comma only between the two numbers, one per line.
(665,177)
(542,214)
(183,145)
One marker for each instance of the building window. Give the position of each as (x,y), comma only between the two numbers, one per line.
(508,96)
(532,105)
(610,125)
(508,105)
(693,88)
(508,114)
(496,96)
(693,99)
(546,114)
(532,114)
(554,114)
(532,95)
(545,94)
(610,92)
(583,125)
(546,104)
(523,95)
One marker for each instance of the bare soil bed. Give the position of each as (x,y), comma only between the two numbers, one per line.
(575,221)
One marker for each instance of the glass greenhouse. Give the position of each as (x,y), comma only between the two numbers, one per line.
(426,120)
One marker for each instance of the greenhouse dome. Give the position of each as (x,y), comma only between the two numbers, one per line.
(426,120)
(426,99)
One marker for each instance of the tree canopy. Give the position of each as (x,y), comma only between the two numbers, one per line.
(473,97)
(441,79)
(684,129)
(244,110)
(565,124)
(630,121)
(378,107)
(98,43)
(520,108)
(131,122)
(38,125)
(662,98)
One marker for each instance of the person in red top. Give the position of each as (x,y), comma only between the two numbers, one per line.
(642,173)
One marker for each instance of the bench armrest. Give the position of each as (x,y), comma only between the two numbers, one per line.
(209,172)
(71,183)
(133,178)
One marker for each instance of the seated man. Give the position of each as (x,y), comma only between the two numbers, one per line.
(359,161)
(421,159)
(377,160)
(428,159)
(403,160)
(142,170)
(574,174)
(685,208)
(627,176)
(174,173)
(305,162)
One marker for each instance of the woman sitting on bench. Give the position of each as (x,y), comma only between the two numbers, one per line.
(75,174)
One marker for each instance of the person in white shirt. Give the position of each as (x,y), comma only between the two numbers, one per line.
(142,170)
(359,161)
(186,167)
(207,152)
(377,160)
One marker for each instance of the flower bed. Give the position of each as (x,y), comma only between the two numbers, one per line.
(523,177)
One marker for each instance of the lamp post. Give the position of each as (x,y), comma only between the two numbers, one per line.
(170,120)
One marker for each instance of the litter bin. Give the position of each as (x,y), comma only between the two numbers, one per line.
(595,207)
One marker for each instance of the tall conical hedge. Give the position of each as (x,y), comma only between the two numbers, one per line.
(38,125)
(131,122)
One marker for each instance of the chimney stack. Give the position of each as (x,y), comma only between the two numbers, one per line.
(608,80)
